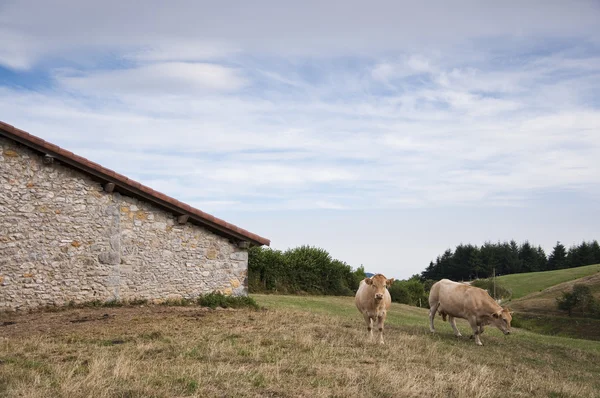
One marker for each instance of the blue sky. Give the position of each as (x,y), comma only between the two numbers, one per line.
(384,132)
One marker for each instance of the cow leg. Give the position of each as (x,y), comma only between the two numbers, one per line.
(475,327)
(369,322)
(380,321)
(452,321)
(432,312)
(480,331)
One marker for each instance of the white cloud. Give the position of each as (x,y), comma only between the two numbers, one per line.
(13,55)
(183,50)
(409,66)
(164,78)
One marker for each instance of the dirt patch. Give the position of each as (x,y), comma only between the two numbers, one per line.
(61,322)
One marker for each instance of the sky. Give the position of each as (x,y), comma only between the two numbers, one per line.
(384,132)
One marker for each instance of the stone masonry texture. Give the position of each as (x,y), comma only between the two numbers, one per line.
(63,239)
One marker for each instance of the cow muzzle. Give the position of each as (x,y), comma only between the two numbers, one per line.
(507,332)
(378,296)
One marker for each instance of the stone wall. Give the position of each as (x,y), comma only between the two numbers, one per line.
(62,239)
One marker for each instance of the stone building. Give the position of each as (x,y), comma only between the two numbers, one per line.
(72,230)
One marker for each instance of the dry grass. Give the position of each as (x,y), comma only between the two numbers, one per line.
(297,348)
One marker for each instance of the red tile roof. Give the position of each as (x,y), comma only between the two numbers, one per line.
(130,186)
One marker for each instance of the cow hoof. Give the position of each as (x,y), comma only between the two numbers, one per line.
(480,343)
(458,335)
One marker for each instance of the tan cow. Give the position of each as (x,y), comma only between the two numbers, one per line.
(373,300)
(459,300)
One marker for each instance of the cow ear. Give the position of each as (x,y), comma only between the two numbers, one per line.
(507,309)
(390,282)
(368,281)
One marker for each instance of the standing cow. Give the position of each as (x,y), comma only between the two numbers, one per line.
(373,300)
(458,300)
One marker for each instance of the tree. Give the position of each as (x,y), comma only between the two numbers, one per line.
(541,259)
(528,258)
(267,270)
(489,258)
(461,262)
(595,248)
(430,272)
(516,265)
(411,292)
(399,293)
(302,269)
(558,257)
(580,298)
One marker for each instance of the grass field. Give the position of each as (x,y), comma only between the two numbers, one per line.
(559,325)
(295,347)
(523,284)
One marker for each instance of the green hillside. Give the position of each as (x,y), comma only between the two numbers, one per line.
(534,300)
(544,302)
(531,282)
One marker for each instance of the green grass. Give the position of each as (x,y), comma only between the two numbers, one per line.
(531,282)
(565,326)
(409,318)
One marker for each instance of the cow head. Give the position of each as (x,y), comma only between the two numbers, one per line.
(502,319)
(378,285)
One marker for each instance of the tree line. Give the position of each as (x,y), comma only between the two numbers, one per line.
(312,270)
(468,262)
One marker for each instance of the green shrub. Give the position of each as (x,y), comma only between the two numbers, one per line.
(399,293)
(579,299)
(488,284)
(214,300)
(411,292)
(301,270)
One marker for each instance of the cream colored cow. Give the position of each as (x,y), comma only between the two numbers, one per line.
(373,300)
(459,300)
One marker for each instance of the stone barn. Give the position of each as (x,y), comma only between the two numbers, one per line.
(74,231)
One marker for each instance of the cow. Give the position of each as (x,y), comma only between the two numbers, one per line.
(373,300)
(459,300)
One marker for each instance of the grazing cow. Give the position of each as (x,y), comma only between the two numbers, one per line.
(459,300)
(373,300)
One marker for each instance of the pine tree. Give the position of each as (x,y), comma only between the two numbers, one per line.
(541,259)
(595,248)
(528,258)
(558,257)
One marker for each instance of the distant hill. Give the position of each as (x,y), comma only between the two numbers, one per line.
(534,301)
(545,301)
(369,274)
(523,284)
